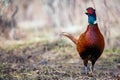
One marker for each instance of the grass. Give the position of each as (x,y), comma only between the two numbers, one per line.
(52,60)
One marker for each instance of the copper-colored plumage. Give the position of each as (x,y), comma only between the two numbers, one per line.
(90,44)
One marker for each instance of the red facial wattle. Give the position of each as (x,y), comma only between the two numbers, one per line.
(90,10)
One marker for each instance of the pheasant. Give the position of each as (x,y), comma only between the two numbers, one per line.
(90,44)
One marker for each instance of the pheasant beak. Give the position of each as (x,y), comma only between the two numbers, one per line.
(86,13)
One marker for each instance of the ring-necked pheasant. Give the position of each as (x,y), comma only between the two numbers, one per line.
(90,44)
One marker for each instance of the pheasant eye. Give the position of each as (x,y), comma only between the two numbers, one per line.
(90,11)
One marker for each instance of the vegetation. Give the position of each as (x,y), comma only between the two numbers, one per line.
(38,52)
(54,60)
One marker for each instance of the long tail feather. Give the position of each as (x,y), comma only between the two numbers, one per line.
(70,36)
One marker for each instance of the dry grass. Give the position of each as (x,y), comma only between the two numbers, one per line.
(56,60)
(41,54)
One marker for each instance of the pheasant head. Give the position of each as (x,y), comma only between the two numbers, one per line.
(91,15)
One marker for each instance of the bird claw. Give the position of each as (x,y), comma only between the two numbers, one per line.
(85,72)
(91,74)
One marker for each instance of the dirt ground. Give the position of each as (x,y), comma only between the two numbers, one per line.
(55,61)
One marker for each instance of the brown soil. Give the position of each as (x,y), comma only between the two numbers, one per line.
(55,61)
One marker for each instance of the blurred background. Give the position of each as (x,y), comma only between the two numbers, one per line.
(41,20)
(31,47)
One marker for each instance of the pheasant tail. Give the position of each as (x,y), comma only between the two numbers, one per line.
(70,36)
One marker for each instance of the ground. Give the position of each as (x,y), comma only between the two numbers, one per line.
(57,60)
